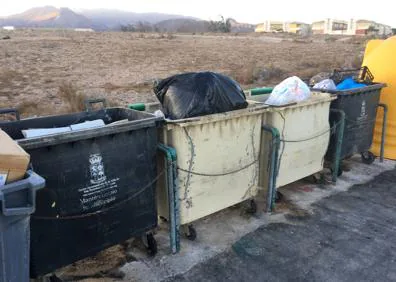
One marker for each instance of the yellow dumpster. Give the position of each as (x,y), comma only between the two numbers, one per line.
(305,135)
(217,160)
(380,58)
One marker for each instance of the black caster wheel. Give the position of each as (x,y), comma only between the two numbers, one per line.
(191,233)
(318,178)
(252,208)
(278,197)
(151,244)
(163,219)
(367,157)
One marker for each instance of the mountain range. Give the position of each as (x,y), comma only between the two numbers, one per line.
(105,19)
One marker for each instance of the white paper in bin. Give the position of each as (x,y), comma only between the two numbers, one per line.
(87,124)
(31,133)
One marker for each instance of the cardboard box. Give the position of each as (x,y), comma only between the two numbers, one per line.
(13,160)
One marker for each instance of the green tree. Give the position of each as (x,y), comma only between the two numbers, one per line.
(222,25)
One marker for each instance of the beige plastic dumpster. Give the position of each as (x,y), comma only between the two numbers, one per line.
(304,131)
(217,159)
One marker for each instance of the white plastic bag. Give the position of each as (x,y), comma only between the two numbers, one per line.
(291,90)
(327,84)
(159,113)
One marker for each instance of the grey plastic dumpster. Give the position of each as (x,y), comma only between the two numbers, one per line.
(100,187)
(18,201)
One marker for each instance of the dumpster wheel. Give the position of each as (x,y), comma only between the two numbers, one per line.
(367,157)
(191,233)
(151,244)
(278,197)
(252,207)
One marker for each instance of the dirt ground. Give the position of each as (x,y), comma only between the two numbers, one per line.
(122,66)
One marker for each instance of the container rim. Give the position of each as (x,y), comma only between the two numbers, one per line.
(65,137)
(252,110)
(321,97)
(360,90)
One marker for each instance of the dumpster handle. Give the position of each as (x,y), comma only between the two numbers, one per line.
(275,144)
(172,183)
(89,102)
(340,137)
(383,133)
(11,111)
(32,183)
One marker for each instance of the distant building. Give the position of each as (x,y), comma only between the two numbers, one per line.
(278,26)
(330,26)
(351,27)
(8,28)
(84,29)
(297,27)
(271,26)
(367,27)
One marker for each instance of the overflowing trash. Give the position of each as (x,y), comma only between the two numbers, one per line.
(319,77)
(344,79)
(291,90)
(326,84)
(346,84)
(198,94)
(349,83)
(14,160)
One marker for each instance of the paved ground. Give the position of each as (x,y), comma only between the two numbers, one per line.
(319,233)
(351,236)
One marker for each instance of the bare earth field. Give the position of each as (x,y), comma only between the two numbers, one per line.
(36,66)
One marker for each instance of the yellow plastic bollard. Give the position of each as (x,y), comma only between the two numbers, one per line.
(380,58)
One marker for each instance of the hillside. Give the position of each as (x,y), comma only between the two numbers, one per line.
(113,19)
(104,19)
(48,17)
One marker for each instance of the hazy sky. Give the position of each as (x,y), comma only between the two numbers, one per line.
(252,11)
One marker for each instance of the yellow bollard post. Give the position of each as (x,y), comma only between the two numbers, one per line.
(380,58)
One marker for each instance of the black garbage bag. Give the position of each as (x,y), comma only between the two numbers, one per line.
(197,94)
